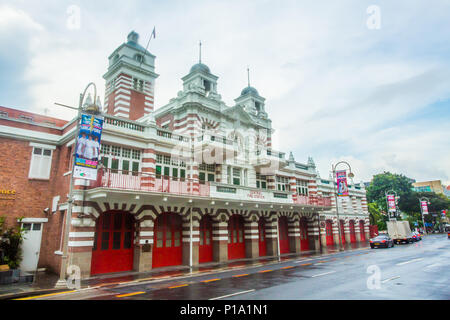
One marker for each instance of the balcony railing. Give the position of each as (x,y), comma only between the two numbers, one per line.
(140,181)
(171,135)
(123,123)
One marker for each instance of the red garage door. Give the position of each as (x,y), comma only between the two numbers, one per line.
(329,233)
(205,248)
(361,230)
(236,245)
(167,241)
(113,249)
(304,243)
(342,232)
(284,239)
(262,238)
(351,228)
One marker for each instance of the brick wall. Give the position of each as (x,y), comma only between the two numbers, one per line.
(33,196)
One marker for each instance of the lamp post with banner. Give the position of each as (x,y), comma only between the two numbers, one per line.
(84,164)
(391,201)
(424,202)
(341,190)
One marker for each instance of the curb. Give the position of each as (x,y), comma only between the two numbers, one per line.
(160,279)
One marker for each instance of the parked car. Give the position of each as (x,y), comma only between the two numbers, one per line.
(417,236)
(383,241)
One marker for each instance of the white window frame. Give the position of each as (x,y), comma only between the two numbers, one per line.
(44,173)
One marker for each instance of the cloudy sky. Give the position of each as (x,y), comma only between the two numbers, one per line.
(362,81)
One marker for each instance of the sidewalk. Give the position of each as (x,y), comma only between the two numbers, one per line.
(45,282)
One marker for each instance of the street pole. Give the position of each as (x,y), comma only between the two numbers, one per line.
(278,239)
(190,236)
(350,175)
(68,220)
(421,212)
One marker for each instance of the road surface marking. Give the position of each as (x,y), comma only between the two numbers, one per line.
(287,267)
(129,294)
(306,264)
(393,278)
(414,260)
(210,280)
(181,285)
(233,294)
(264,271)
(240,275)
(322,274)
(45,295)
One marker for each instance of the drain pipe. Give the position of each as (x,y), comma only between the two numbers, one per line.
(278,239)
(190,235)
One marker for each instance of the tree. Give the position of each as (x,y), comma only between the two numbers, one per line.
(376,217)
(383,182)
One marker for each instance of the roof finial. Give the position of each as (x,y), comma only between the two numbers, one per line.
(200,52)
(248,76)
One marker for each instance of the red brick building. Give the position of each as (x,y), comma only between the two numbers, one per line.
(192,182)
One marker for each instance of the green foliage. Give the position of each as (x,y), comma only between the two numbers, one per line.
(409,199)
(11,244)
(376,217)
(383,182)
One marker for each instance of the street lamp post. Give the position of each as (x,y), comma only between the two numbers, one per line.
(62,274)
(350,175)
(388,193)
(421,212)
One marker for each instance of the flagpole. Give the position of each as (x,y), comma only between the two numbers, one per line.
(148,43)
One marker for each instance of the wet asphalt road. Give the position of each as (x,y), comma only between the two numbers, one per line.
(412,271)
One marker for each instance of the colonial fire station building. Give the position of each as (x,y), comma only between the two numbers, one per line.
(192,182)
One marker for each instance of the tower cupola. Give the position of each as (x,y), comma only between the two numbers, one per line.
(130,80)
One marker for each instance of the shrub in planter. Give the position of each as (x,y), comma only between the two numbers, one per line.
(11,246)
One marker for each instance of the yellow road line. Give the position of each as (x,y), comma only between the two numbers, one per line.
(240,275)
(210,280)
(45,295)
(264,271)
(306,264)
(129,294)
(289,267)
(181,285)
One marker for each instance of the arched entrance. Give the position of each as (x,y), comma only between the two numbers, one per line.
(167,250)
(342,231)
(113,243)
(262,237)
(361,230)
(236,244)
(284,239)
(329,232)
(205,251)
(351,228)
(304,242)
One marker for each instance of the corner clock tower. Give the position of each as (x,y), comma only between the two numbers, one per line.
(130,80)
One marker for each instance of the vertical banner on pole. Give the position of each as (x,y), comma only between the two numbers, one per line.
(424,207)
(342,187)
(391,203)
(88,147)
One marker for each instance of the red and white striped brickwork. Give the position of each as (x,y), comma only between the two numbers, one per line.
(313,189)
(293,187)
(121,100)
(148,168)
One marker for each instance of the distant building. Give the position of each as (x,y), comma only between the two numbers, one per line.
(429,186)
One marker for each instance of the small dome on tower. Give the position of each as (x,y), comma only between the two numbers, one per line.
(200,67)
(248,90)
(133,41)
(133,37)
